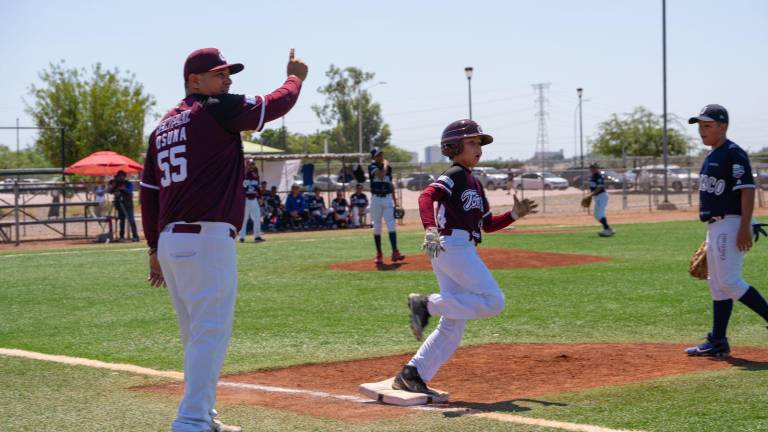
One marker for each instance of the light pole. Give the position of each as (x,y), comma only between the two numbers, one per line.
(664,80)
(580,91)
(468,72)
(360,115)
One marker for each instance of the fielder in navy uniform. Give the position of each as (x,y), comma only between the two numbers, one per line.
(251,185)
(726,201)
(467,289)
(600,198)
(383,203)
(192,202)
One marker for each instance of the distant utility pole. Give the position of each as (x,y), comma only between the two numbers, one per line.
(542,137)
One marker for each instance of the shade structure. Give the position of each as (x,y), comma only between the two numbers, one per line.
(256,148)
(104,163)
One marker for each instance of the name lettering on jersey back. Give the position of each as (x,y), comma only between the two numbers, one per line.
(171,137)
(471,199)
(179,119)
(711,184)
(169,131)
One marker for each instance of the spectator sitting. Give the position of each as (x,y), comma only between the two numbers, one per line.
(340,209)
(296,208)
(358,204)
(275,210)
(317,211)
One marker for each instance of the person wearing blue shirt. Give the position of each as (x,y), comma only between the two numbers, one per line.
(296,207)
(726,202)
(122,190)
(599,195)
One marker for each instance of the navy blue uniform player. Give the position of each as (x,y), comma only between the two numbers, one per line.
(383,204)
(600,197)
(726,201)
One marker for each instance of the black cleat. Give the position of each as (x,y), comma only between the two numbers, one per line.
(409,380)
(417,303)
(711,348)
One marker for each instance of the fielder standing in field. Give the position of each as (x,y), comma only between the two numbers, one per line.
(599,195)
(192,201)
(467,289)
(251,185)
(726,201)
(383,204)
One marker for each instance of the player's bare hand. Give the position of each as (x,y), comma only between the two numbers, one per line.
(744,239)
(433,243)
(155,277)
(297,67)
(522,208)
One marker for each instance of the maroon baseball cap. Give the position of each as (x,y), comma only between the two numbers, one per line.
(207,60)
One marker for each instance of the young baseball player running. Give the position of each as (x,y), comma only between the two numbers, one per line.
(600,196)
(192,204)
(467,288)
(726,201)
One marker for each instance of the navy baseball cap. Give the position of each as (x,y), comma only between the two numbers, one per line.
(375,151)
(207,60)
(594,165)
(711,112)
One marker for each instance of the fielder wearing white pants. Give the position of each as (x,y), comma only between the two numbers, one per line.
(382,206)
(467,292)
(724,259)
(357,214)
(200,271)
(601,202)
(253,212)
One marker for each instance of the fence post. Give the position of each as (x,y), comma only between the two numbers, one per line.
(16,209)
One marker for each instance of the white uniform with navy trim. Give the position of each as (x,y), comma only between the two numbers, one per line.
(382,202)
(725,171)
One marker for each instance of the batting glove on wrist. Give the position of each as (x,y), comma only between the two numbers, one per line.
(524,207)
(433,243)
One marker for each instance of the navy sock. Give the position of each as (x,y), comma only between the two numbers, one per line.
(721,314)
(753,300)
(604,221)
(393,240)
(377,240)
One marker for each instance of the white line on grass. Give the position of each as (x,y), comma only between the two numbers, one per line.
(72,252)
(179,376)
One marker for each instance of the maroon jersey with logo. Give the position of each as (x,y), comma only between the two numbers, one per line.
(251,185)
(194,169)
(461,204)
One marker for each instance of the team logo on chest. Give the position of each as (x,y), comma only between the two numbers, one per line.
(471,199)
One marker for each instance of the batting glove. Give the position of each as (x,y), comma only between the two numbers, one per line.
(433,243)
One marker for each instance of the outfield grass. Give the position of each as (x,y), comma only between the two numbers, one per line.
(291,309)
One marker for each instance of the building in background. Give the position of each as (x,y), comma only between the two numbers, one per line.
(414,157)
(433,155)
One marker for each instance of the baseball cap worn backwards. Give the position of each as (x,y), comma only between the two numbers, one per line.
(711,112)
(207,60)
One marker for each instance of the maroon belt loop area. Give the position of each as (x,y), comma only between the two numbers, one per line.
(194,229)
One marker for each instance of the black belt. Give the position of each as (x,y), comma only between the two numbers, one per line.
(382,194)
(194,229)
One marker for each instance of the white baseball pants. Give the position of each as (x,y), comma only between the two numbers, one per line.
(601,202)
(201,273)
(467,292)
(252,211)
(724,260)
(357,213)
(383,207)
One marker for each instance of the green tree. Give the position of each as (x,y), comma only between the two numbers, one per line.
(26,158)
(641,134)
(101,110)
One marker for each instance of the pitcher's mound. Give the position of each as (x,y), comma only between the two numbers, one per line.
(494,258)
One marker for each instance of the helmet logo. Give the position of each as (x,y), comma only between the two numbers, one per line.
(479,129)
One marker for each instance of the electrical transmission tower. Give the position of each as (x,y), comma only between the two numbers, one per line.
(542,137)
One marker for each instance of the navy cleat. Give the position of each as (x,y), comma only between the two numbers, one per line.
(409,380)
(711,348)
(417,303)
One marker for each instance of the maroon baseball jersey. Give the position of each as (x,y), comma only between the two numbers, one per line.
(461,204)
(194,169)
(251,185)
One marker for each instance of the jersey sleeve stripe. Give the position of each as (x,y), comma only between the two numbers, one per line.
(148,186)
(486,214)
(744,186)
(263,111)
(441,186)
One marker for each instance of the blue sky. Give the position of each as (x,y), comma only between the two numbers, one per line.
(716,53)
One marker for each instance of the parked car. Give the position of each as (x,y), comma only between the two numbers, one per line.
(328,182)
(491,178)
(537,180)
(615,180)
(678,179)
(574,175)
(416,181)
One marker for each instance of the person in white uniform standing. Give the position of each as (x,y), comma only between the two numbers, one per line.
(467,289)
(383,203)
(726,202)
(251,185)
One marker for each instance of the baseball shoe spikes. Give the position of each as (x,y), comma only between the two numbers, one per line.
(711,348)
(218,426)
(417,303)
(396,256)
(379,260)
(409,380)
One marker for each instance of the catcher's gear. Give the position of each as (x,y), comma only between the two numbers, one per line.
(454,134)
(698,266)
(757,229)
(399,213)
(524,207)
(433,244)
(586,201)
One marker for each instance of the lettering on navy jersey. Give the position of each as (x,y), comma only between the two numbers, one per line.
(725,171)
(380,186)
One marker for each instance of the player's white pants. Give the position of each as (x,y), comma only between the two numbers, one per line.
(201,273)
(252,211)
(383,206)
(467,292)
(357,212)
(601,202)
(724,260)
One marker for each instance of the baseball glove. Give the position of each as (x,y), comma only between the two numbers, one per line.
(586,201)
(399,213)
(698,266)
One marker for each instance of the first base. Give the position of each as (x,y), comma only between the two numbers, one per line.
(382,391)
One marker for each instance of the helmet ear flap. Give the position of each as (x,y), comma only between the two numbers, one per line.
(452,148)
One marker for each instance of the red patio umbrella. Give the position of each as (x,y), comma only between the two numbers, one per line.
(104,163)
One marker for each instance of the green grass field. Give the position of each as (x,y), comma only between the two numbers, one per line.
(94,302)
